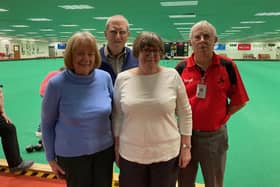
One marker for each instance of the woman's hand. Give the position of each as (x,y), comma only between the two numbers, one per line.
(58,171)
(184,157)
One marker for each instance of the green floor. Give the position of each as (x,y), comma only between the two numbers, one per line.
(253,157)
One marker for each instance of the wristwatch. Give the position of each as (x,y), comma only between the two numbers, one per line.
(186,146)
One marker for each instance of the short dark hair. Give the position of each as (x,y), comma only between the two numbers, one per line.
(149,39)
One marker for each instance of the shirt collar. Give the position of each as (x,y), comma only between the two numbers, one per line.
(108,53)
(191,63)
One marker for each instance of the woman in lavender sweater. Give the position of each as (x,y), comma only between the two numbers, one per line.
(76,125)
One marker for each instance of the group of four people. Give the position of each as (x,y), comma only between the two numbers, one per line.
(156,123)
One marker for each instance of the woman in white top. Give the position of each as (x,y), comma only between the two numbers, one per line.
(152,119)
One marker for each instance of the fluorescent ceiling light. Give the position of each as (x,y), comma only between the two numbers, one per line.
(88,29)
(76,7)
(183,16)
(268,14)
(240,27)
(19,26)
(184,31)
(47,30)
(7,30)
(228,33)
(183,28)
(39,19)
(251,22)
(183,23)
(232,31)
(271,33)
(3,10)
(179,3)
(65,32)
(63,25)
(136,29)
(100,32)
(101,18)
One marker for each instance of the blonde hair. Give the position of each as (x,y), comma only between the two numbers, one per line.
(74,42)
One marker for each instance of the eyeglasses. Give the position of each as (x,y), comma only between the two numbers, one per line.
(150,50)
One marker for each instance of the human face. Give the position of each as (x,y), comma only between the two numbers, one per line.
(149,57)
(117,35)
(83,58)
(203,40)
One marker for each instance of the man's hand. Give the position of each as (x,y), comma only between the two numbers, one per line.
(8,121)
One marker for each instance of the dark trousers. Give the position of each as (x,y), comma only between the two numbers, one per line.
(162,174)
(94,170)
(209,150)
(10,143)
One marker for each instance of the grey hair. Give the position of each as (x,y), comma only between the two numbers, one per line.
(204,24)
(116,17)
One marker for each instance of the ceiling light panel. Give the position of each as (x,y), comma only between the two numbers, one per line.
(39,19)
(179,3)
(183,23)
(76,7)
(19,26)
(72,25)
(251,22)
(88,29)
(183,16)
(101,18)
(268,14)
(241,27)
(7,30)
(46,30)
(3,10)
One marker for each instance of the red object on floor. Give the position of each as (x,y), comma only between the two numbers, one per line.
(9,180)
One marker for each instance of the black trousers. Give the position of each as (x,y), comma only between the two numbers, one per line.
(10,145)
(161,174)
(94,170)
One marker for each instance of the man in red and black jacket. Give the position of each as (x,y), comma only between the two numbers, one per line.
(216,91)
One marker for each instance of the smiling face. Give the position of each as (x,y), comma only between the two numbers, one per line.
(82,54)
(116,33)
(83,57)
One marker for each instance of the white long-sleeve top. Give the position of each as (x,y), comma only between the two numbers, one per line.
(150,114)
